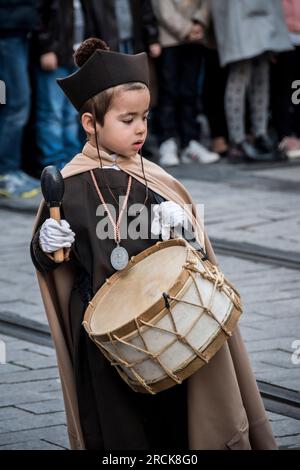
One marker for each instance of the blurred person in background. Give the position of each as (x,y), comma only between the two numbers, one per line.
(62,27)
(246,32)
(182,26)
(285,72)
(18,18)
(127,26)
(213,92)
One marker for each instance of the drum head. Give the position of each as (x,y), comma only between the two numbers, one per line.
(138,288)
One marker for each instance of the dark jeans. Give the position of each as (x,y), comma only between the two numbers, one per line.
(57,125)
(179,69)
(215,78)
(286,115)
(126,46)
(13,114)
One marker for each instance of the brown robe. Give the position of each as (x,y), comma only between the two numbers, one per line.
(223,406)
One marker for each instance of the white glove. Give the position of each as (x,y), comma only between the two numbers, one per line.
(166,215)
(55,235)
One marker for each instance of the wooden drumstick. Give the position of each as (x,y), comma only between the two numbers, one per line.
(53,188)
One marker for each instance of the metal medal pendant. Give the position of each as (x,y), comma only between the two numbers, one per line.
(119,258)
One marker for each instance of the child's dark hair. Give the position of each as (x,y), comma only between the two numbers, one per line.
(99,104)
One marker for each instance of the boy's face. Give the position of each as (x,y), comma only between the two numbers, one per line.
(125,123)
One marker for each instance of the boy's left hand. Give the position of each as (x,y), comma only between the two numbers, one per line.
(167,215)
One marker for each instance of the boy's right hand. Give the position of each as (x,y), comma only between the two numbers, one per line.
(55,235)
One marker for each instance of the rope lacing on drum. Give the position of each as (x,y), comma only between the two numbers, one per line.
(210,273)
(213,274)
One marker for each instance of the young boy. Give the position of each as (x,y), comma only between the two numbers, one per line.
(219,407)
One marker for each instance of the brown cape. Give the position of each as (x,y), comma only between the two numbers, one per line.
(225,410)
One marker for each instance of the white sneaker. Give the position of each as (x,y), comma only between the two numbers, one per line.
(291,154)
(168,153)
(290,146)
(195,152)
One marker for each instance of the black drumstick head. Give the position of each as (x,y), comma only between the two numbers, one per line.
(52,185)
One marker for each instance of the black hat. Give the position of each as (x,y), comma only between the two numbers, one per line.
(102,70)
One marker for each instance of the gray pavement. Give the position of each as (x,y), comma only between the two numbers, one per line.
(31,407)
(244,205)
(240,211)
